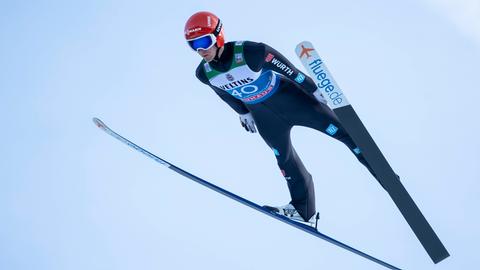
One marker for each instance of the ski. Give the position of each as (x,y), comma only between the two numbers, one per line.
(237,198)
(351,122)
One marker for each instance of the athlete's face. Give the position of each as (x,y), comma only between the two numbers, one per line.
(209,54)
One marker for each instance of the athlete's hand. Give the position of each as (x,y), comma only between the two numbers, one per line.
(247,122)
(318,95)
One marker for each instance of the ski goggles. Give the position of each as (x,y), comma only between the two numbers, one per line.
(204,42)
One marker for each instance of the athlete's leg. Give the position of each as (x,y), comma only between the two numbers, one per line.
(276,134)
(323,119)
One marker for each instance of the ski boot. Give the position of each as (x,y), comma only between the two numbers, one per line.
(292,213)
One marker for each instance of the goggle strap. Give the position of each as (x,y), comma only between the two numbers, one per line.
(218,28)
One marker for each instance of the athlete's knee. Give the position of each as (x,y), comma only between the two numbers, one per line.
(359,155)
(357,152)
(334,130)
(339,133)
(283,157)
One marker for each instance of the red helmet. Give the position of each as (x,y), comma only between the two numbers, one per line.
(204,23)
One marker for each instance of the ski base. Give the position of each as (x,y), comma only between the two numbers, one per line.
(308,229)
(386,176)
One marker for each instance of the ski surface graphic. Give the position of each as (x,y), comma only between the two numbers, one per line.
(349,119)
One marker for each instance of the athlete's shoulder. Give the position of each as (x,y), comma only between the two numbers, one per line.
(253,45)
(254,54)
(230,43)
(247,44)
(200,72)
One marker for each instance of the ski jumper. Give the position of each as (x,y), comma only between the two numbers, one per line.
(253,77)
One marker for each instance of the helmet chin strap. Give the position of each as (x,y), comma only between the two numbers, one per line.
(218,53)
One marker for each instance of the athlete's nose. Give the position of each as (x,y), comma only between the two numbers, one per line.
(203,52)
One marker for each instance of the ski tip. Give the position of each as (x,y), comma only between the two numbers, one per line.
(304,49)
(304,43)
(99,123)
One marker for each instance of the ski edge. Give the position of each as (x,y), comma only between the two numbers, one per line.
(100,124)
(319,72)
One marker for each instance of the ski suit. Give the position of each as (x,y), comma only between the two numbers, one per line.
(253,77)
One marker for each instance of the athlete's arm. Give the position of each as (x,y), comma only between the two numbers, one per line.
(260,55)
(236,104)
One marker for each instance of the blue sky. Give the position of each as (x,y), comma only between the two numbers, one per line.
(73,198)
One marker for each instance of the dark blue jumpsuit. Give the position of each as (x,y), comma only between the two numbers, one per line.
(293,104)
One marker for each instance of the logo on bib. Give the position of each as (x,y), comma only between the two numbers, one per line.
(207,67)
(238,58)
(230,77)
(234,84)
